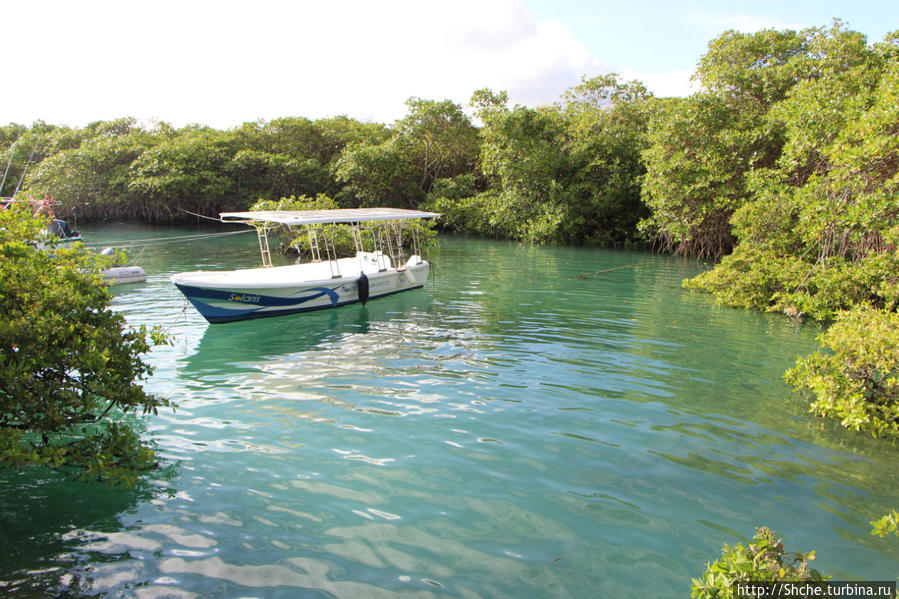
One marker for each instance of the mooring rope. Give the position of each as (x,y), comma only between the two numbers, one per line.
(212,218)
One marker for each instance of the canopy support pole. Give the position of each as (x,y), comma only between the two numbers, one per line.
(262,234)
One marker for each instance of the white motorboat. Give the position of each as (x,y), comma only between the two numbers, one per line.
(324,282)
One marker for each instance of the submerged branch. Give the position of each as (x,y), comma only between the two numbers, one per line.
(585,275)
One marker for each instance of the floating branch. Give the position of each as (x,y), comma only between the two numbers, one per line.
(585,275)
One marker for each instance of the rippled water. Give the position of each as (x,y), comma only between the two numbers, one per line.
(524,426)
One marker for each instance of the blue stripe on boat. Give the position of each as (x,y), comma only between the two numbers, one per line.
(256,299)
(254,303)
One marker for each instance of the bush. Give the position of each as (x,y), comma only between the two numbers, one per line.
(856,383)
(763,560)
(759,279)
(888,524)
(68,364)
(750,279)
(476,214)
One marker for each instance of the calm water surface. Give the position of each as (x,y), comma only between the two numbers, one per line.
(518,428)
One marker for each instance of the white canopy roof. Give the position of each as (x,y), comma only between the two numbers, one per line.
(341,215)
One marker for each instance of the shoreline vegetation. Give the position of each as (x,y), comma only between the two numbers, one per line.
(783,169)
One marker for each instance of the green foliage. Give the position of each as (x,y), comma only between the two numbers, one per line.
(829,189)
(439,140)
(94,178)
(793,137)
(762,279)
(806,129)
(750,278)
(339,132)
(465,214)
(835,181)
(461,207)
(287,156)
(567,173)
(435,140)
(67,362)
(701,150)
(379,175)
(454,188)
(520,151)
(24,148)
(761,66)
(763,560)
(187,172)
(607,122)
(564,173)
(319,202)
(118,169)
(889,523)
(857,380)
(694,180)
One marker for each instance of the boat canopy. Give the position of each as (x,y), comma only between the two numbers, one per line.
(321,217)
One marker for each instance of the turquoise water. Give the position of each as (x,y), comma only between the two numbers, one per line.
(517,428)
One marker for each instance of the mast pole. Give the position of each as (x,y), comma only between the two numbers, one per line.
(22,178)
(12,151)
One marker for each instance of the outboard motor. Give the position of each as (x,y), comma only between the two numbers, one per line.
(362,285)
(58,228)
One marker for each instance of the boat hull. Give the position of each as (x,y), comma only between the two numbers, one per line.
(221,302)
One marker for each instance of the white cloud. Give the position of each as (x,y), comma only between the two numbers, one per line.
(222,63)
(747,23)
(664,84)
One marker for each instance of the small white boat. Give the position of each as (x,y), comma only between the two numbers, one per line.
(121,275)
(224,296)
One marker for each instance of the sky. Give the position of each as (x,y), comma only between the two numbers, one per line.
(222,63)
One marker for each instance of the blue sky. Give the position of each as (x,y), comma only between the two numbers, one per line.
(225,62)
(652,36)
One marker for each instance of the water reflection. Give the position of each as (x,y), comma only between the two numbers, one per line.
(62,537)
(271,339)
